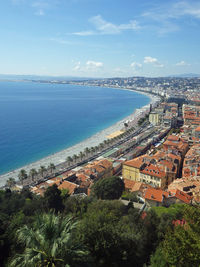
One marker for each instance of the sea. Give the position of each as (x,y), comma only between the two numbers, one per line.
(39,119)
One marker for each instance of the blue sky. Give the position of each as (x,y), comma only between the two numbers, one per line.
(100,38)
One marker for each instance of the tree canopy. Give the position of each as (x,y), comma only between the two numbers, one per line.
(105,232)
(48,242)
(53,198)
(108,188)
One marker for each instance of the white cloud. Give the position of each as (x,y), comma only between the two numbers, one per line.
(150,60)
(136,65)
(182,63)
(191,8)
(77,66)
(84,33)
(90,65)
(159,65)
(168,14)
(93,65)
(60,41)
(154,61)
(104,27)
(174,11)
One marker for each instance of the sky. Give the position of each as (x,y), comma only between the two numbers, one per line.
(100,38)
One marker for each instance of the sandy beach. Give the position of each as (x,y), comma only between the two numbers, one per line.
(94,140)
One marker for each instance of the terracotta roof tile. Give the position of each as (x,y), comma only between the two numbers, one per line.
(137,162)
(137,187)
(128,184)
(173,138)
(181,196)
(68,185)
(155,194)
(197,129)
(153,170)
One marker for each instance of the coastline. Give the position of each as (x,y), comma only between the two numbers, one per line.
(60,157)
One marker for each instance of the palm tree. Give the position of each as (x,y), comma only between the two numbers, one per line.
(42,170)
(87,151)
(22,175)
(105,143)
(81,155)
(112,141)
(51,167)
(96,148)
(74,157)
(101,145)
(92,150)
(32,173)
(10,182)
(69,160)
(109,142)
(48,243)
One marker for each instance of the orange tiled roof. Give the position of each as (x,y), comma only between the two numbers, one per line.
(82,177)
(173,138)
(99,166)
(55,182)
(128,183)
(197,129)
(39,191)
(174,156)
(155,194)
(181,196)
(136,163)
(167,164)
(68,185)
(137,187)
(105,163)
(153,170)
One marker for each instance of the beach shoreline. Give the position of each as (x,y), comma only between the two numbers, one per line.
(60,157)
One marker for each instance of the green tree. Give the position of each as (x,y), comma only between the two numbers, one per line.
(101,146)
(96,148)
(49,242)
(109,242)
(74,157)
(52,167)
(53,198)
(182,245)
(81,155)
(42,170)
(92,150)
(87,151)
(33,173)
(108,188)
(22,175)
(65,193)
(10,182)
(69,160)
(157,259)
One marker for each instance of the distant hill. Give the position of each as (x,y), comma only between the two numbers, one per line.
(38,77)
(186,75)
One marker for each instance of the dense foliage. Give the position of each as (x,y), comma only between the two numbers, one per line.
(108,188)
(58,230)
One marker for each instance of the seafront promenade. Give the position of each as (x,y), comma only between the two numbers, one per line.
(60,157)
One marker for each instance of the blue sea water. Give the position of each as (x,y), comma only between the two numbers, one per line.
(39,119)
